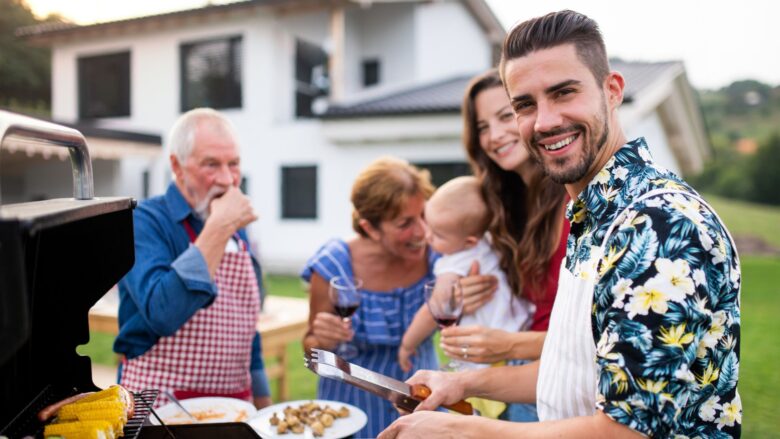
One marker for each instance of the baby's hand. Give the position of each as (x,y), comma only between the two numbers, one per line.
(404,354)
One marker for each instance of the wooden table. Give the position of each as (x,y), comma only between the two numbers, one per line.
(283,320)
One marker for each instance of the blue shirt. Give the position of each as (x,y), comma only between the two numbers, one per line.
(169,281)
(379,324)
(665,317)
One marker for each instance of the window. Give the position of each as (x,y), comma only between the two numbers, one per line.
(370,72)
(311,76)
(444,172)
(299,192)
(211,74)
(104,86)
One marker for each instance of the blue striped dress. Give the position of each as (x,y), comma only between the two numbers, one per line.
(379,325)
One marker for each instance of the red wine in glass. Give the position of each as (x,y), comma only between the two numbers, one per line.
(344,292)
(445,302)
(446,321)
(346,311)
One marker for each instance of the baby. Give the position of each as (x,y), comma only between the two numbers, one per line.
(457,219)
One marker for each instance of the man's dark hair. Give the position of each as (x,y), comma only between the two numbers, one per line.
(555,29)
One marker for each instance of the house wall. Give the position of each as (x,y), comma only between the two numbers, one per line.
(268,132)
(386,32)
(449,41)
(651,128)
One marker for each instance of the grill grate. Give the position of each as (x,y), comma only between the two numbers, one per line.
(144,401)
(26,423)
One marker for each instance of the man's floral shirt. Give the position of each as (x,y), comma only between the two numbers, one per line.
(665,314)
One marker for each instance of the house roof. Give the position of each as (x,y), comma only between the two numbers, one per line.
(47,33)
(446,96)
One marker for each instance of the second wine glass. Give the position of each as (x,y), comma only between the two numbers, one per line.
(445,302)
(344,293)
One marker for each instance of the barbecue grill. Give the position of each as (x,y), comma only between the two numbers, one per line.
(57,258)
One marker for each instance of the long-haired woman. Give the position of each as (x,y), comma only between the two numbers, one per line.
(528,228)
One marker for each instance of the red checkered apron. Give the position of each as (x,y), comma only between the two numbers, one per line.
(210,354)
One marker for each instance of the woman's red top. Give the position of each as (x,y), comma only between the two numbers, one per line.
(544,302)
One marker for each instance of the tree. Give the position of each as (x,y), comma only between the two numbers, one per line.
(25,70)
(747,95)
(766,175)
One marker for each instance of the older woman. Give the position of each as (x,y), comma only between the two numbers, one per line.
(528,228)
(389,254)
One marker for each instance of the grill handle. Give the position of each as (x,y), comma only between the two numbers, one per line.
(28,128)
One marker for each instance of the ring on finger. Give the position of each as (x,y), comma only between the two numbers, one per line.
(464,350)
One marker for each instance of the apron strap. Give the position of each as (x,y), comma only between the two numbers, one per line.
(190,231)
(193,236)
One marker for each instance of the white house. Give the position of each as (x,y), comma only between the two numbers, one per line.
(316,89)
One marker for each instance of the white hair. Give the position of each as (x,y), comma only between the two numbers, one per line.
(181,138)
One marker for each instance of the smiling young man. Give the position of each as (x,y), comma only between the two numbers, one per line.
(644,334)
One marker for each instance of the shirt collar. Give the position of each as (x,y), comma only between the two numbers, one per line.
(177,205)
(609,181)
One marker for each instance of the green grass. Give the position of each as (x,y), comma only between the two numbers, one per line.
(287,286)
(759,383)
(749,219)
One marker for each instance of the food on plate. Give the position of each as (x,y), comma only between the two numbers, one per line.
(317,428)
(318,418)
(100,414)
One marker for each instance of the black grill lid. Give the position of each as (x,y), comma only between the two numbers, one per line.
(57,258)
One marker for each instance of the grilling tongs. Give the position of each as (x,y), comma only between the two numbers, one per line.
(407,397)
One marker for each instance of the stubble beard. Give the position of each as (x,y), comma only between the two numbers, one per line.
(557,169)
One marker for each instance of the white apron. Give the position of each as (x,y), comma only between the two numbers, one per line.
(568,372)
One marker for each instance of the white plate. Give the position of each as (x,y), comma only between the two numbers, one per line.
(342,427)
(210,409)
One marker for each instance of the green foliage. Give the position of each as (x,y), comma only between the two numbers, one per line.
(765,173)
(742,110)
(25,70)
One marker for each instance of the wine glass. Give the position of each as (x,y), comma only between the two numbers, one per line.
(344,292)
(445,302)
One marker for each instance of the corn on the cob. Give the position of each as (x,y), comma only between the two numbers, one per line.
(71,411)
(80,429)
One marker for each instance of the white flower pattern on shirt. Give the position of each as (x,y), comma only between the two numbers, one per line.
(665,315)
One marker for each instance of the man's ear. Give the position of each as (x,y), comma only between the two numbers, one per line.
(613,89)
(176,167)
(471,241)
(370,230)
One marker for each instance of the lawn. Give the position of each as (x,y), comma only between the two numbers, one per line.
(749,219)
(759,384)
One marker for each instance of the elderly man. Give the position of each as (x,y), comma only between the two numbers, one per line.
(188,307)
(644,333)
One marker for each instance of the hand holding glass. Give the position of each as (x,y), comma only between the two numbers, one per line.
(345,295)
(445,302)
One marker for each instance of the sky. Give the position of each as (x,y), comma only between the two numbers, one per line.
(719,41)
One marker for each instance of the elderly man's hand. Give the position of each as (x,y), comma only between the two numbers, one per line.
(423,425)
(232,210)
